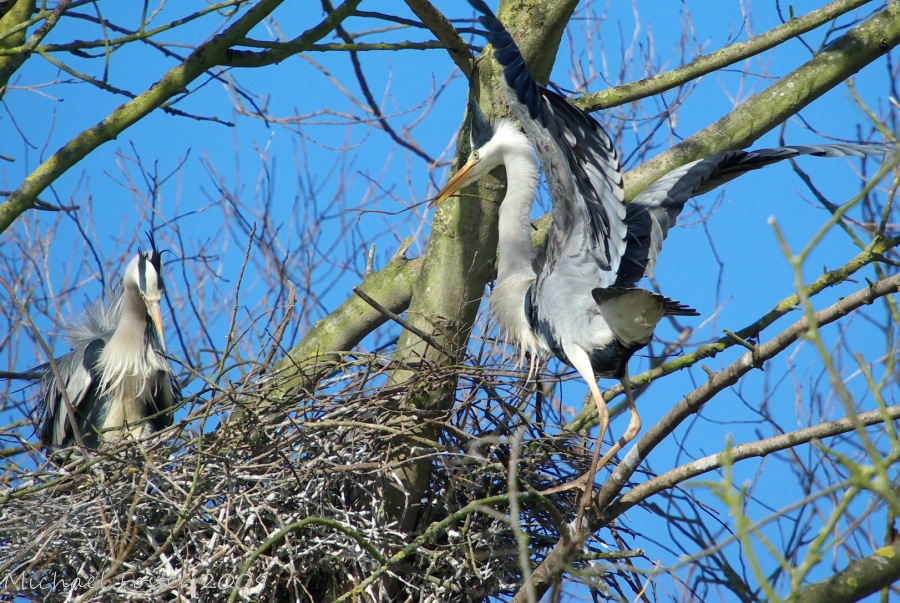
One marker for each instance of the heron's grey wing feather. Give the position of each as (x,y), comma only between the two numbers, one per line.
(753,160)
(167,395)
(75,369)
(87,337)
(652,213)
(578,158)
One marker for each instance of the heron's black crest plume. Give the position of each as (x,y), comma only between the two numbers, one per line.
(154,256)
(481,131)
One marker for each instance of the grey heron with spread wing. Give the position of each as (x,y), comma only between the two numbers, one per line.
(116,375)
(579,299)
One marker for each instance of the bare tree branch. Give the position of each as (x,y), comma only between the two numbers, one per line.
(858,580)
(759,448)
(764,111)
(719,59)
(216,51)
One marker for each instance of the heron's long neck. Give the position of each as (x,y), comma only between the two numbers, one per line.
(126,348)
(133,322)
(515,265)
(516,252)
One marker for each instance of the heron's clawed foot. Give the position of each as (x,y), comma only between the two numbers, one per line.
(586,481)
(579,483)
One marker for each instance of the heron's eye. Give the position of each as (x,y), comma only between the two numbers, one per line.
(476,155)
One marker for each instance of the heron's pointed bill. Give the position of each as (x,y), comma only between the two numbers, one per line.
(465,176)
(156,316)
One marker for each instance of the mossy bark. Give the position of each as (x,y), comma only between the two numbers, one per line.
(458,263)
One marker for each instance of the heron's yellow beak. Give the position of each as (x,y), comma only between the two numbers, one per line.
(156,316)
(464,177)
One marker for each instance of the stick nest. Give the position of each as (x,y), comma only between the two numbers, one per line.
(264,497)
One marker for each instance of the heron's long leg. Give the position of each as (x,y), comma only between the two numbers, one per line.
(634,425)
(582,363)
(602,425)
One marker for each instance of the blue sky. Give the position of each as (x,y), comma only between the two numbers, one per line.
(329,164)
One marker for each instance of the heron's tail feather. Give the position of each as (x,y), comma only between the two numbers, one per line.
(669,306)
(672,307)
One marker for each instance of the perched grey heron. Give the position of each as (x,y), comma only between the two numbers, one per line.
(579,300)
(116,375)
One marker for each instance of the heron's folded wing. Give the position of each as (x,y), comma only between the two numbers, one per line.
(78,379)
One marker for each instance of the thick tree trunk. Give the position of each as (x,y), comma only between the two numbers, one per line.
(459,261)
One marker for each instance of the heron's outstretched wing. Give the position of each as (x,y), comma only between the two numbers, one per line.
(578,158)
(650,215)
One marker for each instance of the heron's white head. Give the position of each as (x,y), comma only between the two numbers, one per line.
(492,146)
(144,274)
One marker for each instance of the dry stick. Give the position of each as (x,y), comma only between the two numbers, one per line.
(524,558)
(277,538)
(318,352)
(118,557)
(432,531)
(278,335)
(396,318)
(230,340)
